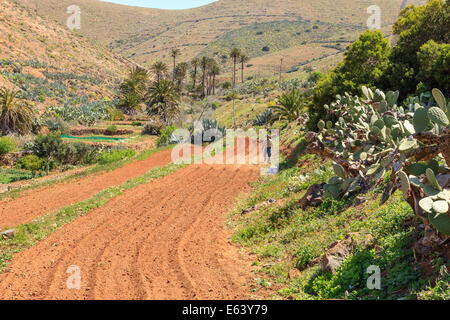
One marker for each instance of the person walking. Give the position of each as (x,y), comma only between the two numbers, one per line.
(267,145)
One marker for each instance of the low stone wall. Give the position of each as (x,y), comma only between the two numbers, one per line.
(138,146)
(11,158)
(87,131)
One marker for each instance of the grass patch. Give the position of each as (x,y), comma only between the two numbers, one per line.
(285,237)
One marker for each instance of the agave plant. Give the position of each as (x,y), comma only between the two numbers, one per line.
(263,118)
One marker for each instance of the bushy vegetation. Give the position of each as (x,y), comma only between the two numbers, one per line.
(284,237)
(32,163)
(165,137)
(110,156)
(418,62)
(12,175)
(376,137)
(7,145)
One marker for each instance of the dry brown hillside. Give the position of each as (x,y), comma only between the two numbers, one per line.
(147,34)
(50,63)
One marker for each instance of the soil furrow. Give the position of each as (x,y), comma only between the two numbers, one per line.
(37,202)
(161,240)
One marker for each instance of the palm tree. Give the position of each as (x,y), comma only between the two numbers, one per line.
(204,65)
(174,54)
(180,73)
(289,105)
(195,63)
(234,54)
(133,89)
(159,68)
(16,116)
(215,70)
(211,64)
(243,59)
(162,101)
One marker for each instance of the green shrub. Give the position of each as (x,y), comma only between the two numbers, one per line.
(47,146)
(111,156)
(115,114)
(77,153)
(111,130)
(215,105)
(57,124)
(11,175)
(226,85)
(31,163)
(136,123)
(153,129)
(165,136)
(7,145)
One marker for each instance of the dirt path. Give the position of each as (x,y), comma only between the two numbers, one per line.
(37,202)
(162,240)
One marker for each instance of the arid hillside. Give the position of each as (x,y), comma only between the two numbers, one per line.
(147,34)
(50,63)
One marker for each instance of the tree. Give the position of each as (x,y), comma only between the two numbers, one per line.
(434,66)
(416,26)
(364,64)
(16,116)
(174,54)
(215,70)
(211,66)
(243,59)
(7,145)
(159,68)
(162,101)
(47,146)
(204,65)
(133,89)
(235,54)
(289,105)
(180,73)
(32,163)
(195,64)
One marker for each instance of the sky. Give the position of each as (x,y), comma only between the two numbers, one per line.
(163,4)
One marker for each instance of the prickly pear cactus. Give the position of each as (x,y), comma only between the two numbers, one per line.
(374,135)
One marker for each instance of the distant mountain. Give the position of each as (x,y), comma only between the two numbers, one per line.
(50,63)
(145,34)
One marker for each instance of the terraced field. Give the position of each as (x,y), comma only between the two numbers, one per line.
(160,239)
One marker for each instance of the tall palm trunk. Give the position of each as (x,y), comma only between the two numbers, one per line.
(203,82)
(174,66)
(234,72)
(195,76)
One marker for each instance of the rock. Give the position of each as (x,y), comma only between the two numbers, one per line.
(313,197)
(294,273)
(258,206)
(338,251)
(8,233)
(359,200)
(444,180)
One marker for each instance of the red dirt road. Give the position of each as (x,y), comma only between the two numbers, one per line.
(162,240)
(37,202)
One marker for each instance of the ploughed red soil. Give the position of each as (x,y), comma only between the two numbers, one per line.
(161,240)
(37,202)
